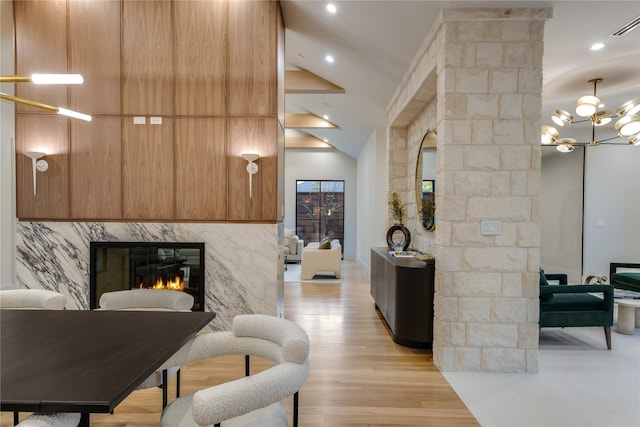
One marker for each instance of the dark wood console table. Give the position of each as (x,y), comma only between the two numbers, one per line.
(402,289)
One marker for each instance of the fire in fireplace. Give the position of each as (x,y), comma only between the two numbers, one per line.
(115,266)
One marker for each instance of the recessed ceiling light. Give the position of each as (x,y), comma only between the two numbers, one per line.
(331,8)
(597,46)
(329,59)
(326,117)
(325,139)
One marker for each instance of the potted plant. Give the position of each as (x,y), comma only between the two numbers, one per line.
(398,236)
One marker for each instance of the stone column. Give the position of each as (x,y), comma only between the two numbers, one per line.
(489,101)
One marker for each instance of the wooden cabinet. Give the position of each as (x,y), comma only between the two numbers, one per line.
(93,24)
(147,58)
(211,71)
(95,168)
(201,58)
(201,168)
(403,289)
(148,171)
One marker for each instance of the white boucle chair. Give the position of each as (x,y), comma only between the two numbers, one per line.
(253,400)
(62,419)
(32,299)
(316,260)
(150,300)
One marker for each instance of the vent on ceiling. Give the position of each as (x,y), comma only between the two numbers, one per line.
(626,27)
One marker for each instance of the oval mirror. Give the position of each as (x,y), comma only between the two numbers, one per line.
(426,181)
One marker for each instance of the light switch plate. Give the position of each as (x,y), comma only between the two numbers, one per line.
(490,227)
(139,120)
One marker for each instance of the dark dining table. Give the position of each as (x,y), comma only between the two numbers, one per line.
(85,361)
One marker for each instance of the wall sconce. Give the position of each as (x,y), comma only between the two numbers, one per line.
(252,168)
(37,163)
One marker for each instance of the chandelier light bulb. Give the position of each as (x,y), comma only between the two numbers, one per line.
(587,106)
(562,117)
(628,125)
(629,107)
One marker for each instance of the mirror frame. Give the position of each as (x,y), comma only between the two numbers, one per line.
(428,141)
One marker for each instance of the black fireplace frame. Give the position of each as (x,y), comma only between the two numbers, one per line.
(97,245)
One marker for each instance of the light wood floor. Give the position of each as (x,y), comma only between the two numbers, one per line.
(359,376)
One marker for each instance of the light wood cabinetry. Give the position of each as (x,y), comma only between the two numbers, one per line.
(201,58)
(253,59)
(46,133)
(201,168)
(147,60)
(94,52)
(95,168)
(211,71)
(42,45)
(148,171)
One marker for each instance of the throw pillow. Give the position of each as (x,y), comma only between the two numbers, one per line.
(544,282)
(325,243)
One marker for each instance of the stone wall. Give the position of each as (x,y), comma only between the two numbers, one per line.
(487,64)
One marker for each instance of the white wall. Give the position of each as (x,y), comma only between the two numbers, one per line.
(611,230)
(7,159)
(306,164)
(612,198)
(372,190)
(561,213)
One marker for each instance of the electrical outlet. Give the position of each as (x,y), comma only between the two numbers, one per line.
(156,120)
(490,227)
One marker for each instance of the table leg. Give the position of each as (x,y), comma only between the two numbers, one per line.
(626,319)
(85,420)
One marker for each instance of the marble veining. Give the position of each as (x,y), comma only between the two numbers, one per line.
(241,260)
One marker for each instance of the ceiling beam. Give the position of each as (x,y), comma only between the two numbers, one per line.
(305,142)
(303,81)
(306,121)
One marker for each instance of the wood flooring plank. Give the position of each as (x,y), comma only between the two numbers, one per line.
(359,376)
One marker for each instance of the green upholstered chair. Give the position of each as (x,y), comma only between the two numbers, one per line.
(627,280)
(566,306)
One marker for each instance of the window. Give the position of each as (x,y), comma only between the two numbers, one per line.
(320,210)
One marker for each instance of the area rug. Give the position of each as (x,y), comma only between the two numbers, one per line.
(292,274)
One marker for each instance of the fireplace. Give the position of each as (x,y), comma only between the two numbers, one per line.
(116,266)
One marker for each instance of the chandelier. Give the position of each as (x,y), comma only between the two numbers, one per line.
(587,107)
(65,79)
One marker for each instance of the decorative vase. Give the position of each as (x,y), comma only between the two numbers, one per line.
(398,234)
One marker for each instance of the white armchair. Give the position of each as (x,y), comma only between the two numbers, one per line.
(315,260)
(292,246)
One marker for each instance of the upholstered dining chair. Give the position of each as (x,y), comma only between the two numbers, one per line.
(62,419)
(253,400)
(150,300)
(32,299)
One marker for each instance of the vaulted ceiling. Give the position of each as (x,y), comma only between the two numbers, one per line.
(373,43)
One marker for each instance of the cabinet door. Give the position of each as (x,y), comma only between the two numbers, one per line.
(147,86)
(94,42)
(253,59)
(49,134)
(201,169)
(41,47)
(95,170)
(201,57)
(253,135)
(148,166)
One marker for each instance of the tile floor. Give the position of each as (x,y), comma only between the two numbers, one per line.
(580,383)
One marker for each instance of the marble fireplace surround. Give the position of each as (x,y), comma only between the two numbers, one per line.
(241,261)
